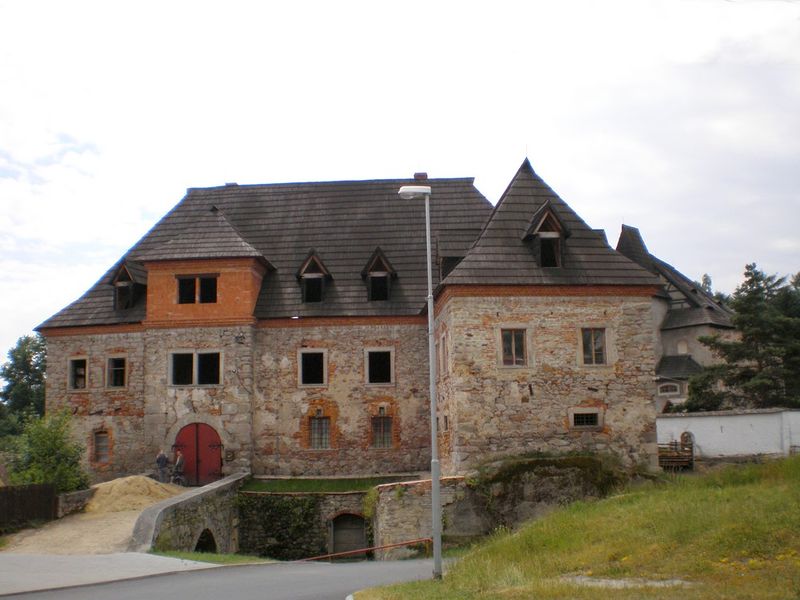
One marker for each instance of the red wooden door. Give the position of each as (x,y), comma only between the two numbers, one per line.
(202,453)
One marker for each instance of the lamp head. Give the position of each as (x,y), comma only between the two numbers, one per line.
(409,192)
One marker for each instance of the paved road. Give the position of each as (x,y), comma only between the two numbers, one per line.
(276,581)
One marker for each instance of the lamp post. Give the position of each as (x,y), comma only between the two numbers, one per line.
(408,192)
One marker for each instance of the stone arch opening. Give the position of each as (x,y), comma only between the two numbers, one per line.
(349,532)
(206,542)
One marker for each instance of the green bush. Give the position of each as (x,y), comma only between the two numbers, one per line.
(45,453)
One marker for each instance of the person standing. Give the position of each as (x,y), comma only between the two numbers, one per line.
(178,470)
(161,465)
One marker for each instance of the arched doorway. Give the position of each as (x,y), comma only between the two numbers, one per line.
(202,453)
(349,533)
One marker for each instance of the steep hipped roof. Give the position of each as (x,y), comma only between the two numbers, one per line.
(501,256)
(344,220)
(701,308)
(207,235)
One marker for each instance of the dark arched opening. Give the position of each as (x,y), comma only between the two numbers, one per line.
(349,533)
(206,542)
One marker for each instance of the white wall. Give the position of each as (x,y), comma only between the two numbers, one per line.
(730,433)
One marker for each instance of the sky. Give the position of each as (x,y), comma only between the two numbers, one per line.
(680,117)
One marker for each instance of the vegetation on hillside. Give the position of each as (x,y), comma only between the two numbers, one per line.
(734,534)
(760,367)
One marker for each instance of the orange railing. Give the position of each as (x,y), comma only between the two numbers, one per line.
(426,541)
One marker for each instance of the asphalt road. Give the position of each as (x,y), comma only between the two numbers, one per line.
(276,581)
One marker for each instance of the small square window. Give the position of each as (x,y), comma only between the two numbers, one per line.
(379,366)
(182,369)
(312,368)
(77,374)
(513,347)
(381,432)
(320,432)
(208,290)
(585,419)
(101,446)
(594,346)
(115,372)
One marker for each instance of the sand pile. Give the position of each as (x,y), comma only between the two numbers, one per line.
(130,493)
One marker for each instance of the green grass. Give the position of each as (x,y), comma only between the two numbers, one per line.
(316,485)
(211,557)
(732,534)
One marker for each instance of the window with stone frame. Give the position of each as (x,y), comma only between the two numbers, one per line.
(669,389)
(319,430)
(101,447)
(313,367)
(513,342)
(195,368)
(116,372)
(381,429)
(593,340)
(590,418)
(78,376)
(379,366)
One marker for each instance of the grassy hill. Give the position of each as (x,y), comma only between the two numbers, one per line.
(733,533)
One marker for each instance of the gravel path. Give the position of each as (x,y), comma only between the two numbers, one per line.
(82,533)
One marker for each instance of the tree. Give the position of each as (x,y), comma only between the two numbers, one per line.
(760,368)
(46,453)
(24,375)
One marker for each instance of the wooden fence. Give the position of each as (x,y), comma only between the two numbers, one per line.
(22,504)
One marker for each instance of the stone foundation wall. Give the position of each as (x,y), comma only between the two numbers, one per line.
(292,526)
(177,523)
(283,407)
(495,410)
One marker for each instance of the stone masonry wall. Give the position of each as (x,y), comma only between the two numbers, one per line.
(225,407)
(178,522)
(118,411)
(496,410)
(283,406)
(291,526)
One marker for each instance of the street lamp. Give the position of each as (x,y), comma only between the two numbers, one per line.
(409,192)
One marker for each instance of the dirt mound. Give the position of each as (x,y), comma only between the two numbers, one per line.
(130,493)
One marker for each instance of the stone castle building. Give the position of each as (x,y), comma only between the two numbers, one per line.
(282,329)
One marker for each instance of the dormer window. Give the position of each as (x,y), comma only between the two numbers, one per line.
(128,286)
(378,274)
(546,234)
(313,276)
(197,289)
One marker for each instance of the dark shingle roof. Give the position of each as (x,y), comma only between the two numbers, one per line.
(207,235)
(680,366)
(345,221)
(500,256)
(703,308)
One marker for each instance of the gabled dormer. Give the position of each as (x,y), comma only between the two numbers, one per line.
(313,277)
(378,275)
(546,234)
(130,285)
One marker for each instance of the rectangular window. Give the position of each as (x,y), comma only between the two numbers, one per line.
(101,447)
(379,366)
(77,374)
(378,287)
(312,289)
(195,368)
(513,347)
(550,252)
(115,372)
(186,290)
(381,432)
(197,289)
(585,419)
(320,431)
(208,368)
(312,368)
(594,346)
